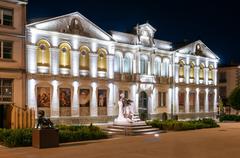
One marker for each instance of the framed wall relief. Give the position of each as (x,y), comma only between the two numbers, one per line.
(84,102)
(43,97)
(192,97)
(181,101)
(65,101)
(102,102)
(65,97)
(211,101)
(201,101)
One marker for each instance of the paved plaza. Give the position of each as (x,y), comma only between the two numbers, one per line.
(206,143)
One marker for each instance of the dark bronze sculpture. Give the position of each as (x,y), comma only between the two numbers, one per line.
(42,121)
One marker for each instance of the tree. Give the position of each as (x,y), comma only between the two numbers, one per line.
(220,105)
(234,99)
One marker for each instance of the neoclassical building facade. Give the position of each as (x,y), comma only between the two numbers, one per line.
(75,72)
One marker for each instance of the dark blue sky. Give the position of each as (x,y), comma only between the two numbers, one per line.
(216,23)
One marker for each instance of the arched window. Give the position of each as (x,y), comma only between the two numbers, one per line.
(201,72)
(158,66)
(102,59)
(144,65)
(84,58)
(64,55)
(165,67)
(181,69)
(43,53)
(191,75)
(117,61)
(210,72)
(127,64)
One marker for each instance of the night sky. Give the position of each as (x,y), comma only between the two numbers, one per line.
(216,23)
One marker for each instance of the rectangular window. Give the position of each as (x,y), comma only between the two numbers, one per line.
(222,77)
(223,92)
(6,17)
(161,99)
(6,48)
(6,90)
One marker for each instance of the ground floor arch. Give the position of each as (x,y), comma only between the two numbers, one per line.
(143,105)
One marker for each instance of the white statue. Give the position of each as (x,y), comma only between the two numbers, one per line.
(125,113)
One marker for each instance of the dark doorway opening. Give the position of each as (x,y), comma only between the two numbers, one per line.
(143,106)
(5,116)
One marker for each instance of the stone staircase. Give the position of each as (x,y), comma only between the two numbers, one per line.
(138,127)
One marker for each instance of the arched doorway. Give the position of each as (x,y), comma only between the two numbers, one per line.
(143,106)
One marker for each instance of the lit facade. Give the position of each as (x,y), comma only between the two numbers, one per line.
(75,72)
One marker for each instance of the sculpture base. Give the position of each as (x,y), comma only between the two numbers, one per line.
(45,138)
(122,121)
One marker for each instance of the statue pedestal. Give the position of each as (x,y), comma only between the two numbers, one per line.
(45,138)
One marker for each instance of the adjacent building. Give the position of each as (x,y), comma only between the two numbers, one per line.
(228,79)
(75,72)
(12,57)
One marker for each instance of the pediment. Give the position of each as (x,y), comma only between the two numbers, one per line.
(74,23)
(197,48)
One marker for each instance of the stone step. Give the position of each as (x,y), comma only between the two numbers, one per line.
(136,128)
(129,127)
(145,130)
(139,123)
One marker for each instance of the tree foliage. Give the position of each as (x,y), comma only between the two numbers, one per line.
(234,98)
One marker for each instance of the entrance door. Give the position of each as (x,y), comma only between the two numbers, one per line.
(143,106)
(5,117)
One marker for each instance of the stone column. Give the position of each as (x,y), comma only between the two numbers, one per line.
(150,106)
(215,77)
(133,92)
(176,101)
(123,65)
(176,73)
(31,95)
(138,63)
(215,100)
(170,70)
(149,68)
(110,66)
(136,100)
(206,76)
(116,91)
(206,108)
(153,65)
(154,100)
(187,67)
(55,100)
(54,61)
(31,59)
(196,74)
(186,103)
(134,66)
(93,103)
(169,98)
(110,104)
(197,101)
(75,63)
(75,102)
(93,65)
